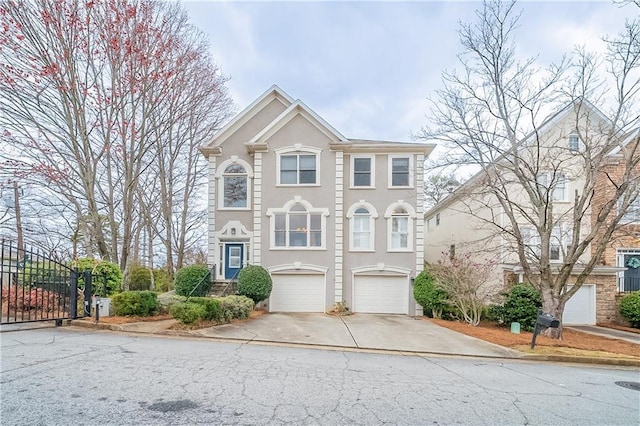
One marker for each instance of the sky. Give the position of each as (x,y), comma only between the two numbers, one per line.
(368,68)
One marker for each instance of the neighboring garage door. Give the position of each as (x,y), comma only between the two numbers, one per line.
(581,308)
(297,293)
(376,294)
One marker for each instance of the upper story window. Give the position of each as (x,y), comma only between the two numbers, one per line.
(559,242)
(400,171)
(633,212)
(298,226)
(400,217)
(575,145)
(362,217)
(233,182)
(363,171)
(235,186)
(556,183)
(298,165)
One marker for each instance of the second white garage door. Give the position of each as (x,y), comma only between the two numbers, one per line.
(297,293)
(381,294)
(581,308)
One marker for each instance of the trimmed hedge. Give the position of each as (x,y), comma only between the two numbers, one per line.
(136,303)
(255,282)
(432,299)
(223,309)
(236,307)
(630,308)
(212,306)
(188,313)
(167,300)
(190,277)
(521,305)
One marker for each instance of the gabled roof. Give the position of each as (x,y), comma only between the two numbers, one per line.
(296,108)
(547,124)
(274,92)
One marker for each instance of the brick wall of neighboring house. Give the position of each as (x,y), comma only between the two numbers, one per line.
(627,236)
(606,292)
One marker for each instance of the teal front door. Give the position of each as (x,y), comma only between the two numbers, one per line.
(233,260)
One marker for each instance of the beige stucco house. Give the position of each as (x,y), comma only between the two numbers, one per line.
(333,219)
(470,220)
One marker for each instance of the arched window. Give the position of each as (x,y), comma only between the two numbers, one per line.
(298,225)
(234,187)
(400,226)
(361,216)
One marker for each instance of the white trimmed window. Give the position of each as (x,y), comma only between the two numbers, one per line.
(557,183)
(298,165)
(363,171)
(574,145)
(362,217)
(632,215)
(400,216)
(559,243)
(298,225)
(400,171)
(234,186)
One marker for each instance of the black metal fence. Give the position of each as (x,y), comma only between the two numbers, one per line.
(34,287)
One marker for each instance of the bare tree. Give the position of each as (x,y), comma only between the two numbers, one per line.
(491,114)
(88,92)
(437,186)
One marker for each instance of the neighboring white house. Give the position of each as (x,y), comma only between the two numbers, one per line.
(470,220)
(332,219)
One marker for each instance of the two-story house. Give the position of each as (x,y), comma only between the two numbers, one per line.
(333,220)
(471,220)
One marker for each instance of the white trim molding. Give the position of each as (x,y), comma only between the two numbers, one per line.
(298,268)
(212,244)
(339,228)
(381,267)
(257,209)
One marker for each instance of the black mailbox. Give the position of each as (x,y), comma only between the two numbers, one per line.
(547,321)
(543,321)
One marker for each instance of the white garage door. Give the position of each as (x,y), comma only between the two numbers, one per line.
(297,293)
(381,294)
(581,308)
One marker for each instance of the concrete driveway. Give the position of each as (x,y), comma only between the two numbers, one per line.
(365,331)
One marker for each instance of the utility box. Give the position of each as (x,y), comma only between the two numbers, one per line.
(103,304)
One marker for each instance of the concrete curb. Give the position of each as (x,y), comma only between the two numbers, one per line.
(619,362)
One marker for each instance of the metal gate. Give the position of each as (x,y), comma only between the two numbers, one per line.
(35,287)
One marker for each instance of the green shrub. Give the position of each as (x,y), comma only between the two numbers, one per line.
(188,313)
(521,305)
(138,303)
(139,278)
(167,300)
(630,308)
(106,276)
(192,281)
(161,280)
(236,307)
(254,282)
(432,299)
(213,307)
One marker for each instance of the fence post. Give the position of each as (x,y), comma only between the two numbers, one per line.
(73,297)
(87,293)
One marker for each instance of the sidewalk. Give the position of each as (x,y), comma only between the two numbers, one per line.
(387,333)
